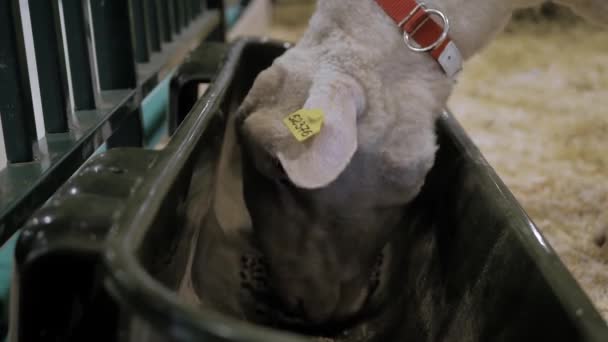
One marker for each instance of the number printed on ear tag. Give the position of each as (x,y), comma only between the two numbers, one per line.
(305,123)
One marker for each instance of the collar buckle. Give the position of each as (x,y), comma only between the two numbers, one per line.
(407,36)
(424,33)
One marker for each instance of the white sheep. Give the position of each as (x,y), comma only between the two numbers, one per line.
(324,209)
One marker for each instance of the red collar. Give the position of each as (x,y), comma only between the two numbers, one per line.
(423,34)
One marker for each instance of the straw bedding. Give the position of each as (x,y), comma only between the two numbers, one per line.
(536,104)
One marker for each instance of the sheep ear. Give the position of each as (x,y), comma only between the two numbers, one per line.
(318,161)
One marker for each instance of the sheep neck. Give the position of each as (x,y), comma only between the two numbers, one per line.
(473,22)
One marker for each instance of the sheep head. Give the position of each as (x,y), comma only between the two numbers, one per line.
(324,210)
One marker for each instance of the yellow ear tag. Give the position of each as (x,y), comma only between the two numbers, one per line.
(305,123)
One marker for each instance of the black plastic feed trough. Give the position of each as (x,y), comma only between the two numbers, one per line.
(103,259)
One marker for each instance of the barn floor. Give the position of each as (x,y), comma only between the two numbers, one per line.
(536,103)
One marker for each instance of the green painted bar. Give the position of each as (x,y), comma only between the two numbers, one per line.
(177,17)
(170,8)
(196,8)
(181,13)
(46,32)
(16,111)
(164,22)
(152,25)
(78,58)
(138,26)
(112,40)
(187,11)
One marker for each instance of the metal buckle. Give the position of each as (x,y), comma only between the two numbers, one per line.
(430,11)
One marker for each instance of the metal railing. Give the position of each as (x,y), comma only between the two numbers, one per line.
(73,74)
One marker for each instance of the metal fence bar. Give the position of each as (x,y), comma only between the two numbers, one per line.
(112,44)
(177,16)
(164,21)
(190,10)
(77,59)
(99,59)
(170,7)
(182,13)
(152,25)
(46,30)
(196,8)
(187,11)
(16,110)
(138,26)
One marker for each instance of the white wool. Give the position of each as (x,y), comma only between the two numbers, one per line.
(404,90)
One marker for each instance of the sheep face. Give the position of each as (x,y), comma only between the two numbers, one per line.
(324,211)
